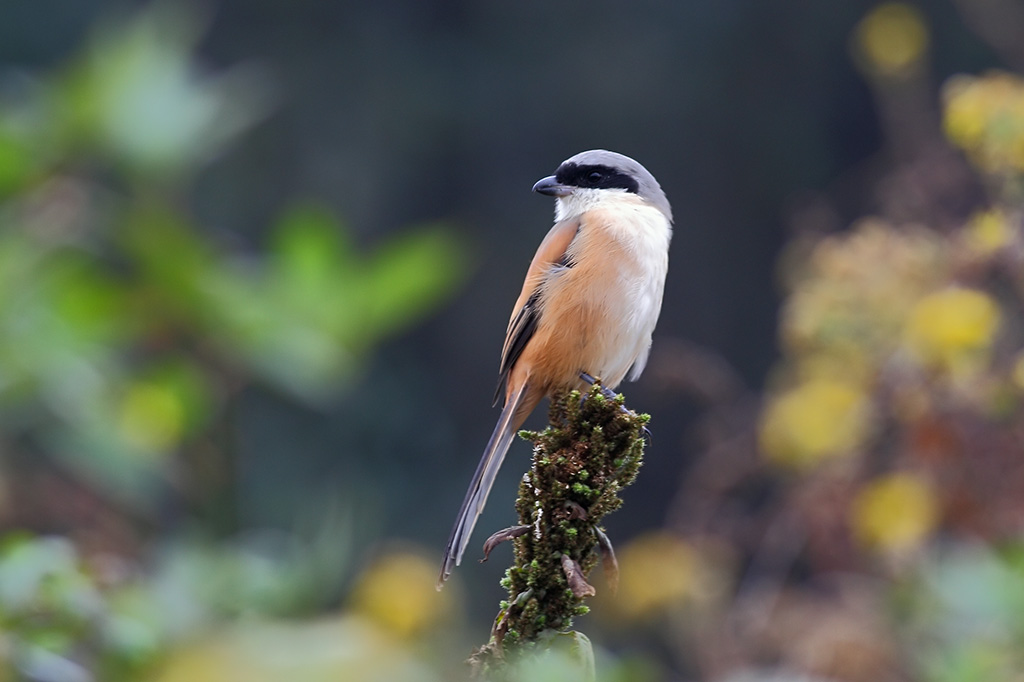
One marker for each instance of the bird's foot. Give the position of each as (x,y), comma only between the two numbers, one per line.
(612,395)
(502,536)
(608,560)
(605,391)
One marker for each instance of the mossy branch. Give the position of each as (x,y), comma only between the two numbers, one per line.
(591,450)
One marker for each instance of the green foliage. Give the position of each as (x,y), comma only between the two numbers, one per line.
(63,618)
(128,329)
(136,97)
(124,328)
(964,612)
(55,614)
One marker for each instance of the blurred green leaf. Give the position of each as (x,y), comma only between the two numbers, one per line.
(971,661)
(965,614)
(190,388)
(87,300)
(94,452)
(16,160)
(265,573)
(330,649)
(977,591)
(138,97)
(310,255)
(38,576)
(323,305)
(60,619)
(172,262)
(406,276)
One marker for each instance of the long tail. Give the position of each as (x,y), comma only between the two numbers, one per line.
(483,479)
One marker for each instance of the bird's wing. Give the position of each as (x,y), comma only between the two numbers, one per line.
(526,313)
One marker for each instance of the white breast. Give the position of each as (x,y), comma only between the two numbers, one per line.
(621,256)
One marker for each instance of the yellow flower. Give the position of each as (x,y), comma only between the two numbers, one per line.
(985,117)
(894,513)
(966,111)
(345,648)
(818,419)
(851,296)
(1018,371)
(397,592)
(952,328)
(152,417)
(891,39)
(657,571)
(988,232)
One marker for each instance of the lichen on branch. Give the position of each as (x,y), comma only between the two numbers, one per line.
(592,449)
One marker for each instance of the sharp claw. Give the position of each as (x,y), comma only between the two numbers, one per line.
(608,560)
(574,576)
(576,511)
(501,536)
(605,391)
(612,395)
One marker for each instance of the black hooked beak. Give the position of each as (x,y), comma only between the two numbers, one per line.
(551,187)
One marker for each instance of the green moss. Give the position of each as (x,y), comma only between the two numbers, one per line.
(592,440)
(582,489)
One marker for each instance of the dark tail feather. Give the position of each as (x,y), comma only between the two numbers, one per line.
(480,488)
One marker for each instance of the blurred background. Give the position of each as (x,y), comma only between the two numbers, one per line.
(256,263)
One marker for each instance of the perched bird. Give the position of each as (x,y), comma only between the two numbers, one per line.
(587,309)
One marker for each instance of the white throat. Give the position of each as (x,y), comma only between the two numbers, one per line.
(582,200)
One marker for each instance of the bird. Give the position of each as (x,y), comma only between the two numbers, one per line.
(587,309)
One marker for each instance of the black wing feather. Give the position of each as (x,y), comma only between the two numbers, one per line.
(524,324)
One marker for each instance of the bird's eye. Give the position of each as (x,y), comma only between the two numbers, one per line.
(594,177)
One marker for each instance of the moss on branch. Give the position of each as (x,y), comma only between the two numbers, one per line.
(591,450)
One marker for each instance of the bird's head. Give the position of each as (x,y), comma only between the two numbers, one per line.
(596,175)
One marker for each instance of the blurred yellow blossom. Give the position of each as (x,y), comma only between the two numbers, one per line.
(952,327)
(851,295)
(1018,371)
(895,512)
(346,648)
(988,232)
(985,116)
(152,417)
(818,419)
(657,571)
(891,39)
(397,592)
